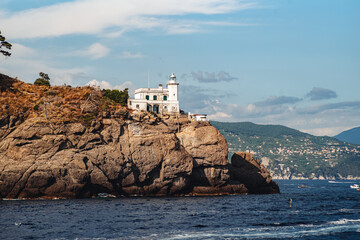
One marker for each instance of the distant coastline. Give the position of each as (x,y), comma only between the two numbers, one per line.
(290,154)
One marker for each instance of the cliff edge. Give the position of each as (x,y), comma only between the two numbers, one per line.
(46,151)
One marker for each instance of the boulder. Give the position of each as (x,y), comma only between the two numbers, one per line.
(249,171)
(205,143)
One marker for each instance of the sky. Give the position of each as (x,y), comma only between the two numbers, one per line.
(289,62)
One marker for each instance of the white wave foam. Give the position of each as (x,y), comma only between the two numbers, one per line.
(13,199)
(280,232)
(339,182)
(348,210)
(344,221)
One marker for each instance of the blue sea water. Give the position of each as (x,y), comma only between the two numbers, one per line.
(323,210)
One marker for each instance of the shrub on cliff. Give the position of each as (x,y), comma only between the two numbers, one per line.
(117,96)
(43,80)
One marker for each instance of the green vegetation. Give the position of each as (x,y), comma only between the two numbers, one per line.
(251,129)
(43,80)
(116,95)
(5,44)
(290,153)
(88,118)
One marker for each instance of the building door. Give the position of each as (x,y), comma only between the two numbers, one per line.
(156,108)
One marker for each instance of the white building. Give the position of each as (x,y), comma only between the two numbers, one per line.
(197,117)
(158,100)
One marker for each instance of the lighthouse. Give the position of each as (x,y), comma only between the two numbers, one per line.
(158,100)
(173,88)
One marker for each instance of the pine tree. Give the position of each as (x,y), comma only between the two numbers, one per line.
(44,79)
(5,44)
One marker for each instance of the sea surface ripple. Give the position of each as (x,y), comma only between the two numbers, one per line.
(322,210)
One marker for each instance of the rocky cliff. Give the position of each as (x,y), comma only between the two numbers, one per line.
(119,153)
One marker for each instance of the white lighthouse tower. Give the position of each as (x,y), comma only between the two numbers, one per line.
(173,88)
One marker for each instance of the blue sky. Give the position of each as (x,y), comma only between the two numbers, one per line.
(289,62)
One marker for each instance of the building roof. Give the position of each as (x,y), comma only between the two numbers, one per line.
(151,90)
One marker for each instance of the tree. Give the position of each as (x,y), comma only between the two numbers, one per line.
(116,95)
(5,44)
(44,76)
(43,80)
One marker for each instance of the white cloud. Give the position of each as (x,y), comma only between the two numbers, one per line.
(129,55)
(107,85)
(26,63)
(323,120)
(219,116)
(187,26)
(127,85)
(98,50)
(94,51)
(211,77)
(327,131)
(101,84)
(251,107)
(21,51)
(27,68)
(96,16)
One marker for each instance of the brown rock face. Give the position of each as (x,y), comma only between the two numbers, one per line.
(252,173)
(6,82)
(124,157)
(200,139)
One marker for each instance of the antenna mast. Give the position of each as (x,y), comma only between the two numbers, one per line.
(148,80)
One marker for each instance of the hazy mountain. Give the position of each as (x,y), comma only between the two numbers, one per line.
(289,153)
(351,136)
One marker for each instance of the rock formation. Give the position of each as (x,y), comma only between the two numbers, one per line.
(252,173)
(123,154)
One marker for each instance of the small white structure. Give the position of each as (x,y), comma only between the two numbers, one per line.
(197,117)
(158,100)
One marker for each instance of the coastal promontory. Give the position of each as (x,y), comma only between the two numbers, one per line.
(64,142)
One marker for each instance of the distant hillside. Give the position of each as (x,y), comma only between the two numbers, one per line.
(351,136)
(252,129)
(291,154)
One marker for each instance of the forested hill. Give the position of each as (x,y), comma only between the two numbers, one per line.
(351,136)
(252,129)
(291,154)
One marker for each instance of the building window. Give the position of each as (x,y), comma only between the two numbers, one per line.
(130,103)
(154,97)
(165,98)
(137,106)
(147,97)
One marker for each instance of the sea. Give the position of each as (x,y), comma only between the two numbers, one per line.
(322,210)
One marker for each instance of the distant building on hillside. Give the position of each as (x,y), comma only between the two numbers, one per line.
(197,117)
(158,100)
